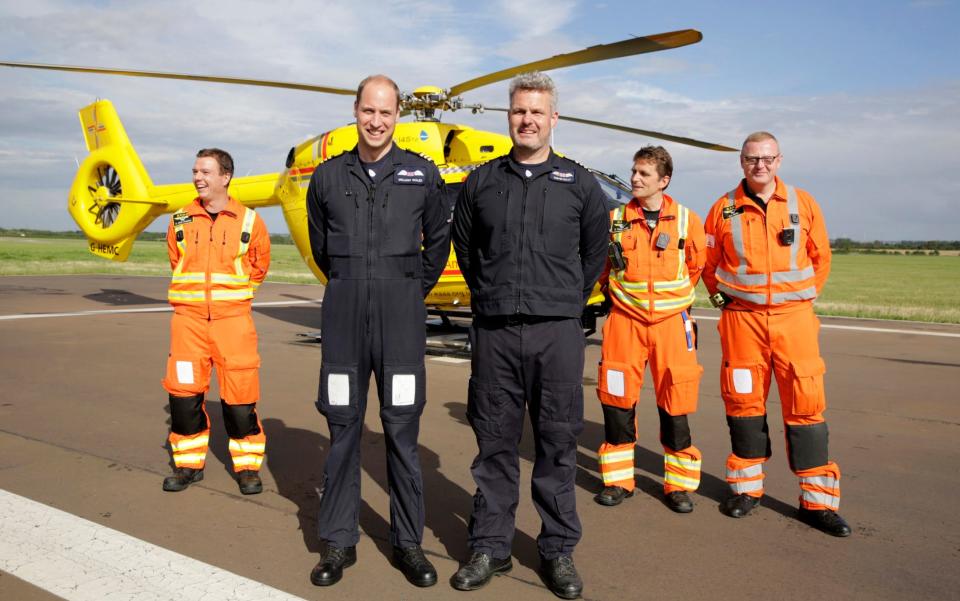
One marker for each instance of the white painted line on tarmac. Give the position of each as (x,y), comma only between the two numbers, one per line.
(166,309)
(831,326)
(80,560)
(453,360)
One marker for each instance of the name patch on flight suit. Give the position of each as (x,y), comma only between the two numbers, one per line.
(729,211)
(564,177)
(181,218)
(619,225)
(409,176)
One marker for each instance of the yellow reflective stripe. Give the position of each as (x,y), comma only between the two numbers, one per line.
(626,298)
(220,295)
(245,446)
(255,285)
(189,457)
(190,443)
(682,226)
(617,476)
(659,305)
(682,462)
(668,285)
(188,278)
(186,295)
(247,461)
(229,278)
(616,456)
(753,471)
(247,228)
(682,481)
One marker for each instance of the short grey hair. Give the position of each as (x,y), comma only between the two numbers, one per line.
(537,82)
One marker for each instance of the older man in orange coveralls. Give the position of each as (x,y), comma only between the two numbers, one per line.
(768,257)
(657,253)
(219,251)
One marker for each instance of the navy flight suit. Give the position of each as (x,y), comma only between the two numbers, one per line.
(531,241)
(382,244)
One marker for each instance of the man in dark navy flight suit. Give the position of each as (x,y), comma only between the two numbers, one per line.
(530,232)
(379,232)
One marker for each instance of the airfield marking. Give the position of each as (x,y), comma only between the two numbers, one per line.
(145,310)
(861,328)
(81,560)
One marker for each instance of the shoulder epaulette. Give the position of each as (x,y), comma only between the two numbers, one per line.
(426,157)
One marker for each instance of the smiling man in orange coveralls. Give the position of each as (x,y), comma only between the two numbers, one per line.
(219,251)
(656,256)
(768,257)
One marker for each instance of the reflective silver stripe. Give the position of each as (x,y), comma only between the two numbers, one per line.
(748,472)
(797,275)
(616,456)
(672,284)
(617,476)
(230,279)
(793,209)
(245,446)
(805,294)
(821,499)
(742,279)
(821,481)
(241,294)
(688,483)
(189,278)
(757,299)
(186,296)
(682,462)
(746,486)
(662,305)
(190,443)
(736,232)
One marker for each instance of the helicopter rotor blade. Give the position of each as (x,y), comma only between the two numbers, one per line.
(650,43)
(186,76)
(631,130)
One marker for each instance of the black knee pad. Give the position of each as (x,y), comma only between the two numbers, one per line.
(240,420)
(749,436)
(186,414)
(807,446)
(619,426)
(674,431)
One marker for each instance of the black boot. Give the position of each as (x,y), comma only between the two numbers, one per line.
(329,570)
(825,520)
(182,477)
(739,506)
(679,501)
(561,577)
(415,566)
(477,572)
(249,482)
(612,495)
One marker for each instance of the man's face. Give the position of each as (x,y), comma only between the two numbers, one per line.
(208,180)
(645,181)
(376,114)
(531,119)
(754,159)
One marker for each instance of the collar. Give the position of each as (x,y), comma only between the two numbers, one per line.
(634,212)
(553,160)
(393,156)
(233,208)
(745,196)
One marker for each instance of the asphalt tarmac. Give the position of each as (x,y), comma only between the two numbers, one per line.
(83,425)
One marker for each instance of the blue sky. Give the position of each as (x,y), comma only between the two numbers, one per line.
(864,96)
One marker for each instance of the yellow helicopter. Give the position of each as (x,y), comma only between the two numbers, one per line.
(113,199)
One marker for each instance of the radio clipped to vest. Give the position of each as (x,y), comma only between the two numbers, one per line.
(615,252)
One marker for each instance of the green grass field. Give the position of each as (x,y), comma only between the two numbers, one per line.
(906,287)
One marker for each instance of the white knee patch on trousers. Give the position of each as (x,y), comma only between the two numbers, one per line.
(742,380)
(615,382)
(338,389)
(404,390)
(185,372)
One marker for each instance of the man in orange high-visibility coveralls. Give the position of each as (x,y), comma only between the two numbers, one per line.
(219,251)
(768,257)
(657,251)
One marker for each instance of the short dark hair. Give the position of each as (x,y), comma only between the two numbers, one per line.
(657,155)
(369,78)
(222,157)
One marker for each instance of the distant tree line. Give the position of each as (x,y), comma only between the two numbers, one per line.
(28,233)
(909,247)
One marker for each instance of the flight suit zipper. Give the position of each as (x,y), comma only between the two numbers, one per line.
(523,219)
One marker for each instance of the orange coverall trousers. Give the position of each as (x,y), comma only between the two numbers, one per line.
(196,346)
(669,347)
(755,345)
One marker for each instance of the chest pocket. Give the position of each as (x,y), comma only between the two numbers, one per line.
(344,221)
(490,220)
(559,230)
(401,214)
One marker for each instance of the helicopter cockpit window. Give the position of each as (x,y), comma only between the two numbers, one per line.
(618,191)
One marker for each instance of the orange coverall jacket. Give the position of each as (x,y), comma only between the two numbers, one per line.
(213,281)
(755,269)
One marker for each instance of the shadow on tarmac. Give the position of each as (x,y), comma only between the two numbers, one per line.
(122,298)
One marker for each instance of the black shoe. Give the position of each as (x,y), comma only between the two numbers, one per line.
(249,481)
(182,477)
(415,566)
(477,572)
(740,505)
(560,576)
(825,520)
(679,501)
(329,570)
(612,495)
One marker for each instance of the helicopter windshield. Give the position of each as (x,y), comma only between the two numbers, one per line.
(618,191)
